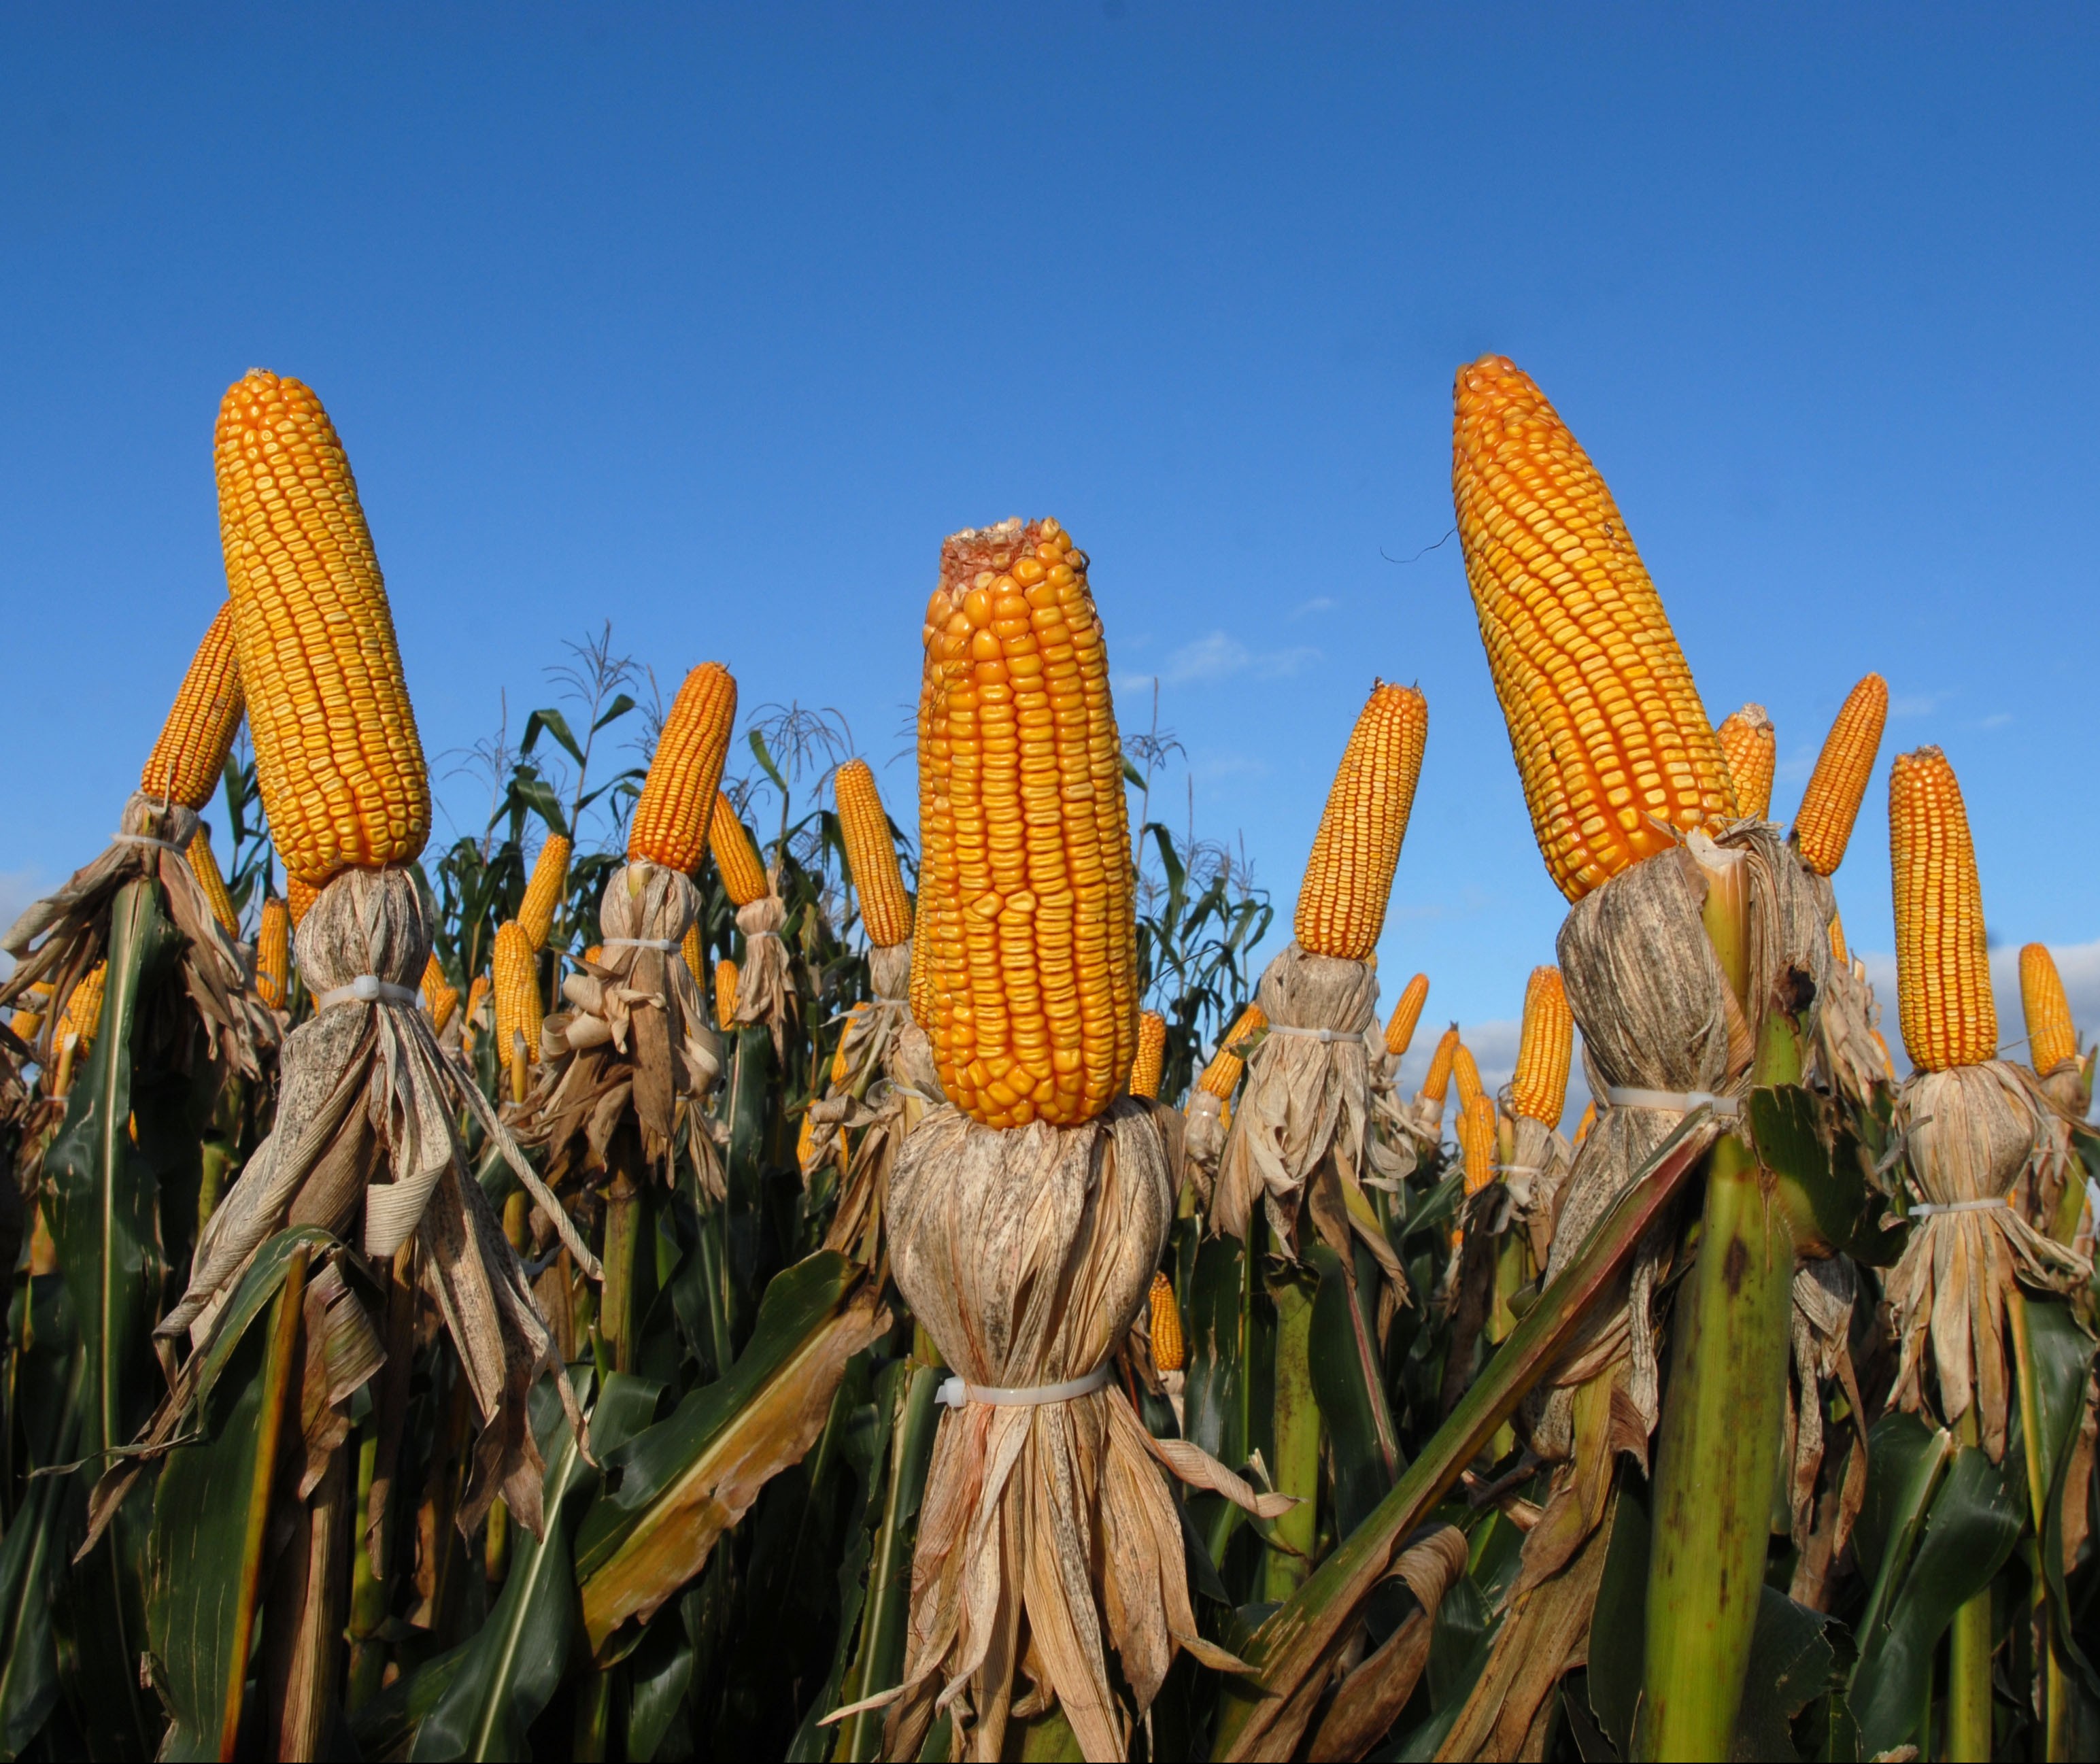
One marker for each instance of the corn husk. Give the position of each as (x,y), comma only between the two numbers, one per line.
(765,994)
(1047,1533)
(1397,1126)
(366,1146)
(1202,1144)
(634,1043)
(1301,1136)
(1970,1133)
(1844,1056)
(1825,1290)
(61,938)
(1535,1176)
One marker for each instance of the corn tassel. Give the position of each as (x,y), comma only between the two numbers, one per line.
(1610,740)
(1942,964)
(1151,1054)
(1349,878)
(871,856)
(336,754)
(2052,1036)
(742,874)
(543,892)
(1545,1047)
(1406,1014)
(189,758)
(1830,805)
(1750,745)
(670,823)
(1032,952)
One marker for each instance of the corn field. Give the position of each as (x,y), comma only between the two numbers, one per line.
(692,1269)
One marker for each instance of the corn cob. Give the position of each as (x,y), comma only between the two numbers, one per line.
(1468,1075)
(1545,1046)
(1477,1142)
(336,754)
(83,1014)
(1609,735)
(918,990)
(1588,1121)
(1400,1028)
(725,991)
(273,953)
(1436,1081)
(1221,1076)
(543,892)
(28,1016)
(440,996)
(1750,745)
(1031,955)
(203,866)
(1170,1352)
(595,952)
(1881,1048)
(871,856)
(1151,1054)
(839,1053)
(1349,878)
(1838,949)
(477,995)
(806,1137)
(517,1004)
(1942,965)
(190,756)
(299,897)
(693,949)
(2052,1037)
(670,824)
(1823,827)
(742,874)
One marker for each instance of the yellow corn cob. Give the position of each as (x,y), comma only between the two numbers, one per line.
(1032,939)
(693,949)
(440,996)
(839,1053)
(83,1014)
(918,990)
(516,1002)
(595,952)
(742,874)
(1943,966)
(1588,1121)
(1436,1081)
(1610,735)
(670,824)
(299,897)
(1539,1091)
(871,856)
(337,754)
(1881,1046)
(543,892)
(725,991)
(1400,1028)
(28,1016)
(1839,785)
(273,953)
(1170,1352)
(1468,1075)
(1750,745)
(1477,1142)
(2052,1037)
(1151,1055)
(1221,1076)
(477,994)
(1837,942)
(188,760)
(1349,878)
(804,1138)
(203,866)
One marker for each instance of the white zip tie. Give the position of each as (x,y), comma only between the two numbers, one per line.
(1315,1034)
(665,944)
(1683,1101)
(955,1391)
(368,989)
(1926,1209)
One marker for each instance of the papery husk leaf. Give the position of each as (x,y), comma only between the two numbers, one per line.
(1047,1533)
(1370,1700)
(765,992)
(1825,1290)
(1971,1133)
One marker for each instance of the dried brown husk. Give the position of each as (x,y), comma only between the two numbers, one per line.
(1536,1176)
(1825,1290)
(1202,1144)
(1301,1136)
(364,1093)
(1970,1133)
(764,988)
(1844,1056)
(1400,1133)
(633,1044)
(69,931)
(1047,1533)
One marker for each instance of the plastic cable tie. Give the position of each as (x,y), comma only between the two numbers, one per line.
(1317,1034)
(665,944)
(368,989)
(1683,1102)
(955,1391)
(1926,1209)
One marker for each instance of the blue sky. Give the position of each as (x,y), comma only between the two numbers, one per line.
(714,322)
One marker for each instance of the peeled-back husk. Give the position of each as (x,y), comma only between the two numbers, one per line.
(364,1092)
(634,1039)
(1536,1176)
(1843,1052)
(70,931)
(1970,1132)
(1202,1144)
(1046,1532)
(764,993)
(1302,1131)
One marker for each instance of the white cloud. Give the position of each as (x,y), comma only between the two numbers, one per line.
(1219,655)
(1996,720)
(1318,603)
(1918,703)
